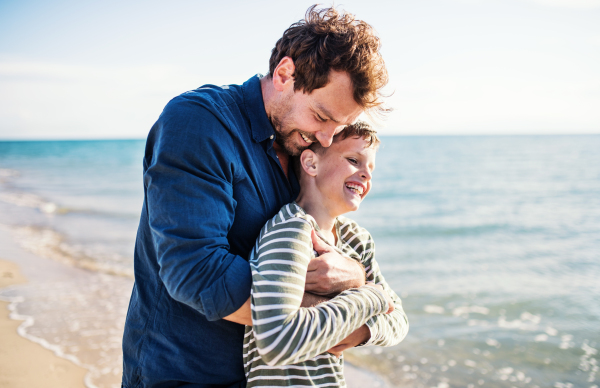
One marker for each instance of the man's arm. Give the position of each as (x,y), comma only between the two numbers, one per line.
(190,159)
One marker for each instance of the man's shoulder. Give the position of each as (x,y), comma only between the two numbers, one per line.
(207,100)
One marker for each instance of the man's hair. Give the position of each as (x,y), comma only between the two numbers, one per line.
(328,39)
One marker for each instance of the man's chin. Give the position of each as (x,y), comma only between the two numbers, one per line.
(293,149)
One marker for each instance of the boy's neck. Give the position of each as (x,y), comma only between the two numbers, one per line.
(313,205)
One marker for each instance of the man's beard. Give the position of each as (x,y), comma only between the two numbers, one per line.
(286,141)
(285,137)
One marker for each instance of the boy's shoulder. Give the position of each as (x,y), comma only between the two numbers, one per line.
(290,214)
(349,228)
(354,238)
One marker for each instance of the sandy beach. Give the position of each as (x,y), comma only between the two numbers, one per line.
(24,363)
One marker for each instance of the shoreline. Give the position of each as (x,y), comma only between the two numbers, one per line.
(24,363)
(20,268)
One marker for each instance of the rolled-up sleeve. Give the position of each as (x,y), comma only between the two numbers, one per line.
(191,167)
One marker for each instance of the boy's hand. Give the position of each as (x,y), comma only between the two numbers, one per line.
(387,296)
(330,273)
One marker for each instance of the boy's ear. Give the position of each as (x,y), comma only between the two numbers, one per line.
(308,162)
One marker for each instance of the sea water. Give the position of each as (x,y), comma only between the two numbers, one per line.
(492,242)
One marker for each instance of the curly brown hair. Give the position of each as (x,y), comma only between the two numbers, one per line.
(328,39)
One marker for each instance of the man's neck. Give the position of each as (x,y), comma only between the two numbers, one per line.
(266,87)
(284,158)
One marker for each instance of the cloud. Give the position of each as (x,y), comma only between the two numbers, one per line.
(576,4)
(55,100)
(495,93)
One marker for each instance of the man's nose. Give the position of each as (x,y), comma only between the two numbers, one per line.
(325,135)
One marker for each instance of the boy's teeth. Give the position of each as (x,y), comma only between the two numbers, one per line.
(357,189)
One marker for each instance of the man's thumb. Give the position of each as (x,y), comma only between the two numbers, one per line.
(318,245)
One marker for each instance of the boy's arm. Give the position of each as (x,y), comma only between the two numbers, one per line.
(386,329)
(284,332)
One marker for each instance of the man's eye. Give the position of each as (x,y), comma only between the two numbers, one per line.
(321,119)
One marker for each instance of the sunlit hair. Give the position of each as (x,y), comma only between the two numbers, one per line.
(328,39)
(358,129)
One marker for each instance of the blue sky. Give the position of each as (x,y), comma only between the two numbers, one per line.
(78,69)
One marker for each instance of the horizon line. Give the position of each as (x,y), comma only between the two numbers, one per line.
(380,135)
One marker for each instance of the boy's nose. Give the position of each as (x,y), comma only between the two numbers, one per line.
(366,173)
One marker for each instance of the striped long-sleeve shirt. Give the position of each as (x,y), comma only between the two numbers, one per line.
(287,344)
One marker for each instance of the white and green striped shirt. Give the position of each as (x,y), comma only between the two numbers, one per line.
(287,344)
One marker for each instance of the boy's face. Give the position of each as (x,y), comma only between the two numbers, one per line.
(344,174)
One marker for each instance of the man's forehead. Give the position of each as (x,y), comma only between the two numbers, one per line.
(335,101)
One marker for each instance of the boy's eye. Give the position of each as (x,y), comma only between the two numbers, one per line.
(352,160)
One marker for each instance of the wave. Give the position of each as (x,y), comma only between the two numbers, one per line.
(48,243)
(34,201)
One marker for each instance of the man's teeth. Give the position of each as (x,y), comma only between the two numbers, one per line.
(306,139)
(355,188)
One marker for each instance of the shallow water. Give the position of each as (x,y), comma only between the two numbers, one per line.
(492,242)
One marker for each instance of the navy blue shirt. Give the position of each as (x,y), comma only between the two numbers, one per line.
(211,181)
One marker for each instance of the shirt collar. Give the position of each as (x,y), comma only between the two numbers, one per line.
(255,109)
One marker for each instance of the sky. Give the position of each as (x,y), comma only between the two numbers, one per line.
(90,70)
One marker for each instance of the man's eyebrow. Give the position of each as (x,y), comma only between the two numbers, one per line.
(326,113)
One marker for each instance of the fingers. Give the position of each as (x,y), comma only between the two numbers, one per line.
(318,245)
(391,307)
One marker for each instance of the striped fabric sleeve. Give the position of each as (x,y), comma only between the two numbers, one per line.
(386,329)
(284,332)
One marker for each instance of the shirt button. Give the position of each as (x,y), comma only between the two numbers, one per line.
(271,137)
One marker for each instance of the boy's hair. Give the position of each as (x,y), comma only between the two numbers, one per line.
(328,39)
(358,129)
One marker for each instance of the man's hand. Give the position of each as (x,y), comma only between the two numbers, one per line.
(330,273)
(243,315)
(360,335)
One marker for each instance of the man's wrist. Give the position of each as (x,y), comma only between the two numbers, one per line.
(361,277)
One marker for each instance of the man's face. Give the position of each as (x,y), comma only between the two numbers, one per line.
(301,119)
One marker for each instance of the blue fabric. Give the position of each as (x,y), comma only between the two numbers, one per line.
(211,181)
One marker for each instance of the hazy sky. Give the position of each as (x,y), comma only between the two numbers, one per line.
(78,69)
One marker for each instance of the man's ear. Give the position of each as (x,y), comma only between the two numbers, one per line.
(308,162)
(283,76)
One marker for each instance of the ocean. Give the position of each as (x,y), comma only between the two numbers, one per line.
(493,243)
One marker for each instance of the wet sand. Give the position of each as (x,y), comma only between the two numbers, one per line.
(24,363)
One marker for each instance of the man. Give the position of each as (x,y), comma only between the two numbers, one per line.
(216,167)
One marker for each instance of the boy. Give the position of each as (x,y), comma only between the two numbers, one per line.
(287,345)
